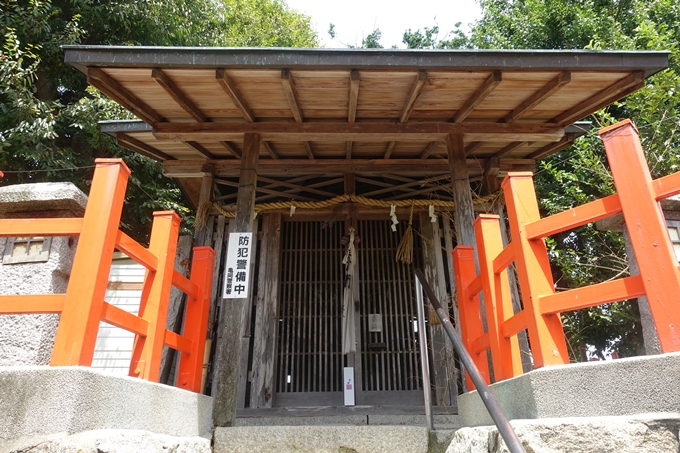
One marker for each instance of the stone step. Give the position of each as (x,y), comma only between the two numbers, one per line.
(335,439)
(441,421)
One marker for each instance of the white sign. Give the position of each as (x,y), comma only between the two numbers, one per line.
(237,270)
(348,385)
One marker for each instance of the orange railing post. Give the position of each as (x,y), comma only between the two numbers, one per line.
(79,322)
(196,320)
(469,308)
(548,345)
(647,229)
(496,289)
(147,351)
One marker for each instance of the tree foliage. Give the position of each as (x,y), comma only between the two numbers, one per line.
(581,173)
(48,121)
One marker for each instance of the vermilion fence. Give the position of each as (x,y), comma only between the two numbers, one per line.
(82,307)
(637,199)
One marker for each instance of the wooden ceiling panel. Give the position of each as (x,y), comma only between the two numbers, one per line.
(511,86)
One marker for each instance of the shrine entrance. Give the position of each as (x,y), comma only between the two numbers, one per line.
(309,359)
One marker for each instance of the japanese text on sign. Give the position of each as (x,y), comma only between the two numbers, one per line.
(237,273)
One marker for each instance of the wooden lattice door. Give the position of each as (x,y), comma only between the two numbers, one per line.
(309,362)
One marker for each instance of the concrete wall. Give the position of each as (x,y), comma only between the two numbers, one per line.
(46,400)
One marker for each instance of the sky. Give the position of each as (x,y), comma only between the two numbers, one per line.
(354,19)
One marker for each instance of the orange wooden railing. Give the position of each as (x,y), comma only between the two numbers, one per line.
(82,307)
(637,199)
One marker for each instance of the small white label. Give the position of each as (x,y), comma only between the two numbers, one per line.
(375,323)
(237,269)
(348,386)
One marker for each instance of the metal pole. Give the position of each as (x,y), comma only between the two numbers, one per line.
(501,422)
(424,362)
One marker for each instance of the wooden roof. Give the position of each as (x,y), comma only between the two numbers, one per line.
(360,110)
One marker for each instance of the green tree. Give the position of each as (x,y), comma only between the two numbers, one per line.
(49,115)
(580,173)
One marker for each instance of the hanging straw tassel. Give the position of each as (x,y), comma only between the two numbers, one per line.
(405,249)
(202,215)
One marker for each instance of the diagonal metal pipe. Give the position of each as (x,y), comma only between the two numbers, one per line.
(495,411)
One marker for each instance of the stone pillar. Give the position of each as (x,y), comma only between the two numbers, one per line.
(28,339)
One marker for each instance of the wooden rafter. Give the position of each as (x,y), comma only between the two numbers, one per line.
(568,140)
(482,92)
(323,131)
(228,86)
(289,88)
(605,97)
(430,148)
(182,100)
(231,148)
(140,147)
(107,85)
(508,149)
(354,82)
(287,82)
(472,147)
(389,149)
(270,149)
(541,95)
(416,89)
(200,148)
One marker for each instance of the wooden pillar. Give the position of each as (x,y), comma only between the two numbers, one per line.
(464,213)
(448,245)
(234,311)
(442,350)
(266,316)
(204,195)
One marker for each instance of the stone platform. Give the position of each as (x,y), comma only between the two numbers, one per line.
(631,386)
(43,401)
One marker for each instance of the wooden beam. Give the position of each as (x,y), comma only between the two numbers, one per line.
(231,331)
(295,167)
(277,193)
(290,185)
(401,187)
(416,89)
(541,95)
(107,85)
(472,147)
(511,147)
(229,147)
(464,213)
(552,148)
(349,183)
(354,82)
(201,150)
(605,97)
(413,193)
(389,149)
(169,86)
(482,92)
(327,131)
(270,150)
(140,147)
(289,89)
(286,192)
(348,151)
(228,86)
(491,173)
(308,150)
(431,147)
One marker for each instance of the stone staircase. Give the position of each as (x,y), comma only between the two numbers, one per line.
(352,430)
